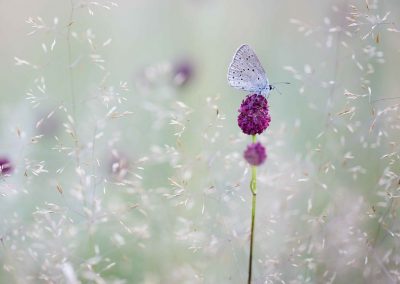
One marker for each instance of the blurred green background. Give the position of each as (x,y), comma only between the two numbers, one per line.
(121,132)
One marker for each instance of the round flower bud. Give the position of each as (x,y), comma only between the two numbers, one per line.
(254,115)
(182,73)
(5,166)
(255,154)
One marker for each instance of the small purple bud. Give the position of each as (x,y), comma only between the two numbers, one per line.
(182,73)
(255,154)
(6,167)
(254,115)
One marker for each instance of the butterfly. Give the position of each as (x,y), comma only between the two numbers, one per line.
(246,73)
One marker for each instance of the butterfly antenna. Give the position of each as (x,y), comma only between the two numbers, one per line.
(273,86)
(280,83)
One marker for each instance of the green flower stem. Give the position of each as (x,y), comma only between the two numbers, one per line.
(253,188)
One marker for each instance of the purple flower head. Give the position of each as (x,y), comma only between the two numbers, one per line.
(183,72)
(255,154)
(254,115)
(5,166)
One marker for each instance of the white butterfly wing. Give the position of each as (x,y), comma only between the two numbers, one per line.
(245,71)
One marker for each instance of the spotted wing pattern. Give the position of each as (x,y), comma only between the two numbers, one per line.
(246,73)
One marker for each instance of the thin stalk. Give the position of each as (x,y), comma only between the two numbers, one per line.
(253,188)
(73,104)
(69,49)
